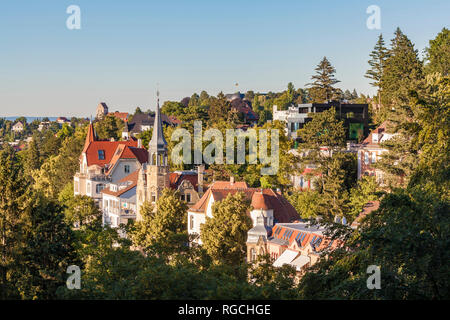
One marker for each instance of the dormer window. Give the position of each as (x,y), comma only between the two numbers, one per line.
(101,154)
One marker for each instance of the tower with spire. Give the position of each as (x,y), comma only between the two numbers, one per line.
(154,176)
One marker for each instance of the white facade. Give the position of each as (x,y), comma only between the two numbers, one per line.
(294,117)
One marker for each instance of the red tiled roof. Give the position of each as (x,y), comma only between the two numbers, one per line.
(283,211)
(176,178)
(125,152)
(379,130)
(132,178)
(259,201)
(121,115)
(304,237)
(108,147)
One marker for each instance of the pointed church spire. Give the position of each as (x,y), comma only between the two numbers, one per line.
(157,143)
(90,137)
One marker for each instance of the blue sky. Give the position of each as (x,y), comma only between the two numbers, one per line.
(124,48)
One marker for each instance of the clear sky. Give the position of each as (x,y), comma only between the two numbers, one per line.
(124,48)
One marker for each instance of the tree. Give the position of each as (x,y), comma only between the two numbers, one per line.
(401,74)
(194,100)
(48,251)
(204,98)
(14,200)
(163,225)
(224,235)
(407,238)
(219,109)
(421,129)
(438,53)
(378,59)
(81,210)
(109,127)
(306,203)
(322,87)
(33,157)
(365,191)
(322,143)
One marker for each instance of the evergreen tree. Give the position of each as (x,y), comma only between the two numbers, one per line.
(438,53)
(219,109)
(109,127)
(402,73)
(224,235)
(322,87)
(377,62)
(347,95)
(14,200)
(33,157)
(48,251)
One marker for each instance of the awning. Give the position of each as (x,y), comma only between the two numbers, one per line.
(286,258)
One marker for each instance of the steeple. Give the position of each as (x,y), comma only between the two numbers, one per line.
(157,143)
(157,147)
(90,137)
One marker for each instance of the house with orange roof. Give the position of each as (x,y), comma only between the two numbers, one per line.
(119,201)
(299,244)
(103,162)
(270,204)
(371,150)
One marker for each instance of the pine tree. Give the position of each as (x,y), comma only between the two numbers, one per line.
(402,73)
(48,251)
(322,87)
(14,200)
(438,53)
(347,95)
(219,109)
(33,157)
(224,235)
(377,63)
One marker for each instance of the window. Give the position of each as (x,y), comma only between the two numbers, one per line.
(182,197)
(127,168)
(188,197)
(153,197)
(191,222)
(374,157)
(366,157)
(99,188)
(252,254)
(101,154)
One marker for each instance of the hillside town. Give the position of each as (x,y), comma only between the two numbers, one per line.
(312,192)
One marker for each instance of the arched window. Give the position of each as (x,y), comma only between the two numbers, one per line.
(153,159)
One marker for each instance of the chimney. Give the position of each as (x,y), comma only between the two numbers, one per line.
(231,180)
(200,171)
(139,143)
(112,139)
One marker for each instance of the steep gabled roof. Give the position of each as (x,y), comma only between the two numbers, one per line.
(283,211)
(131,180)
(176,178)
(379,130)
